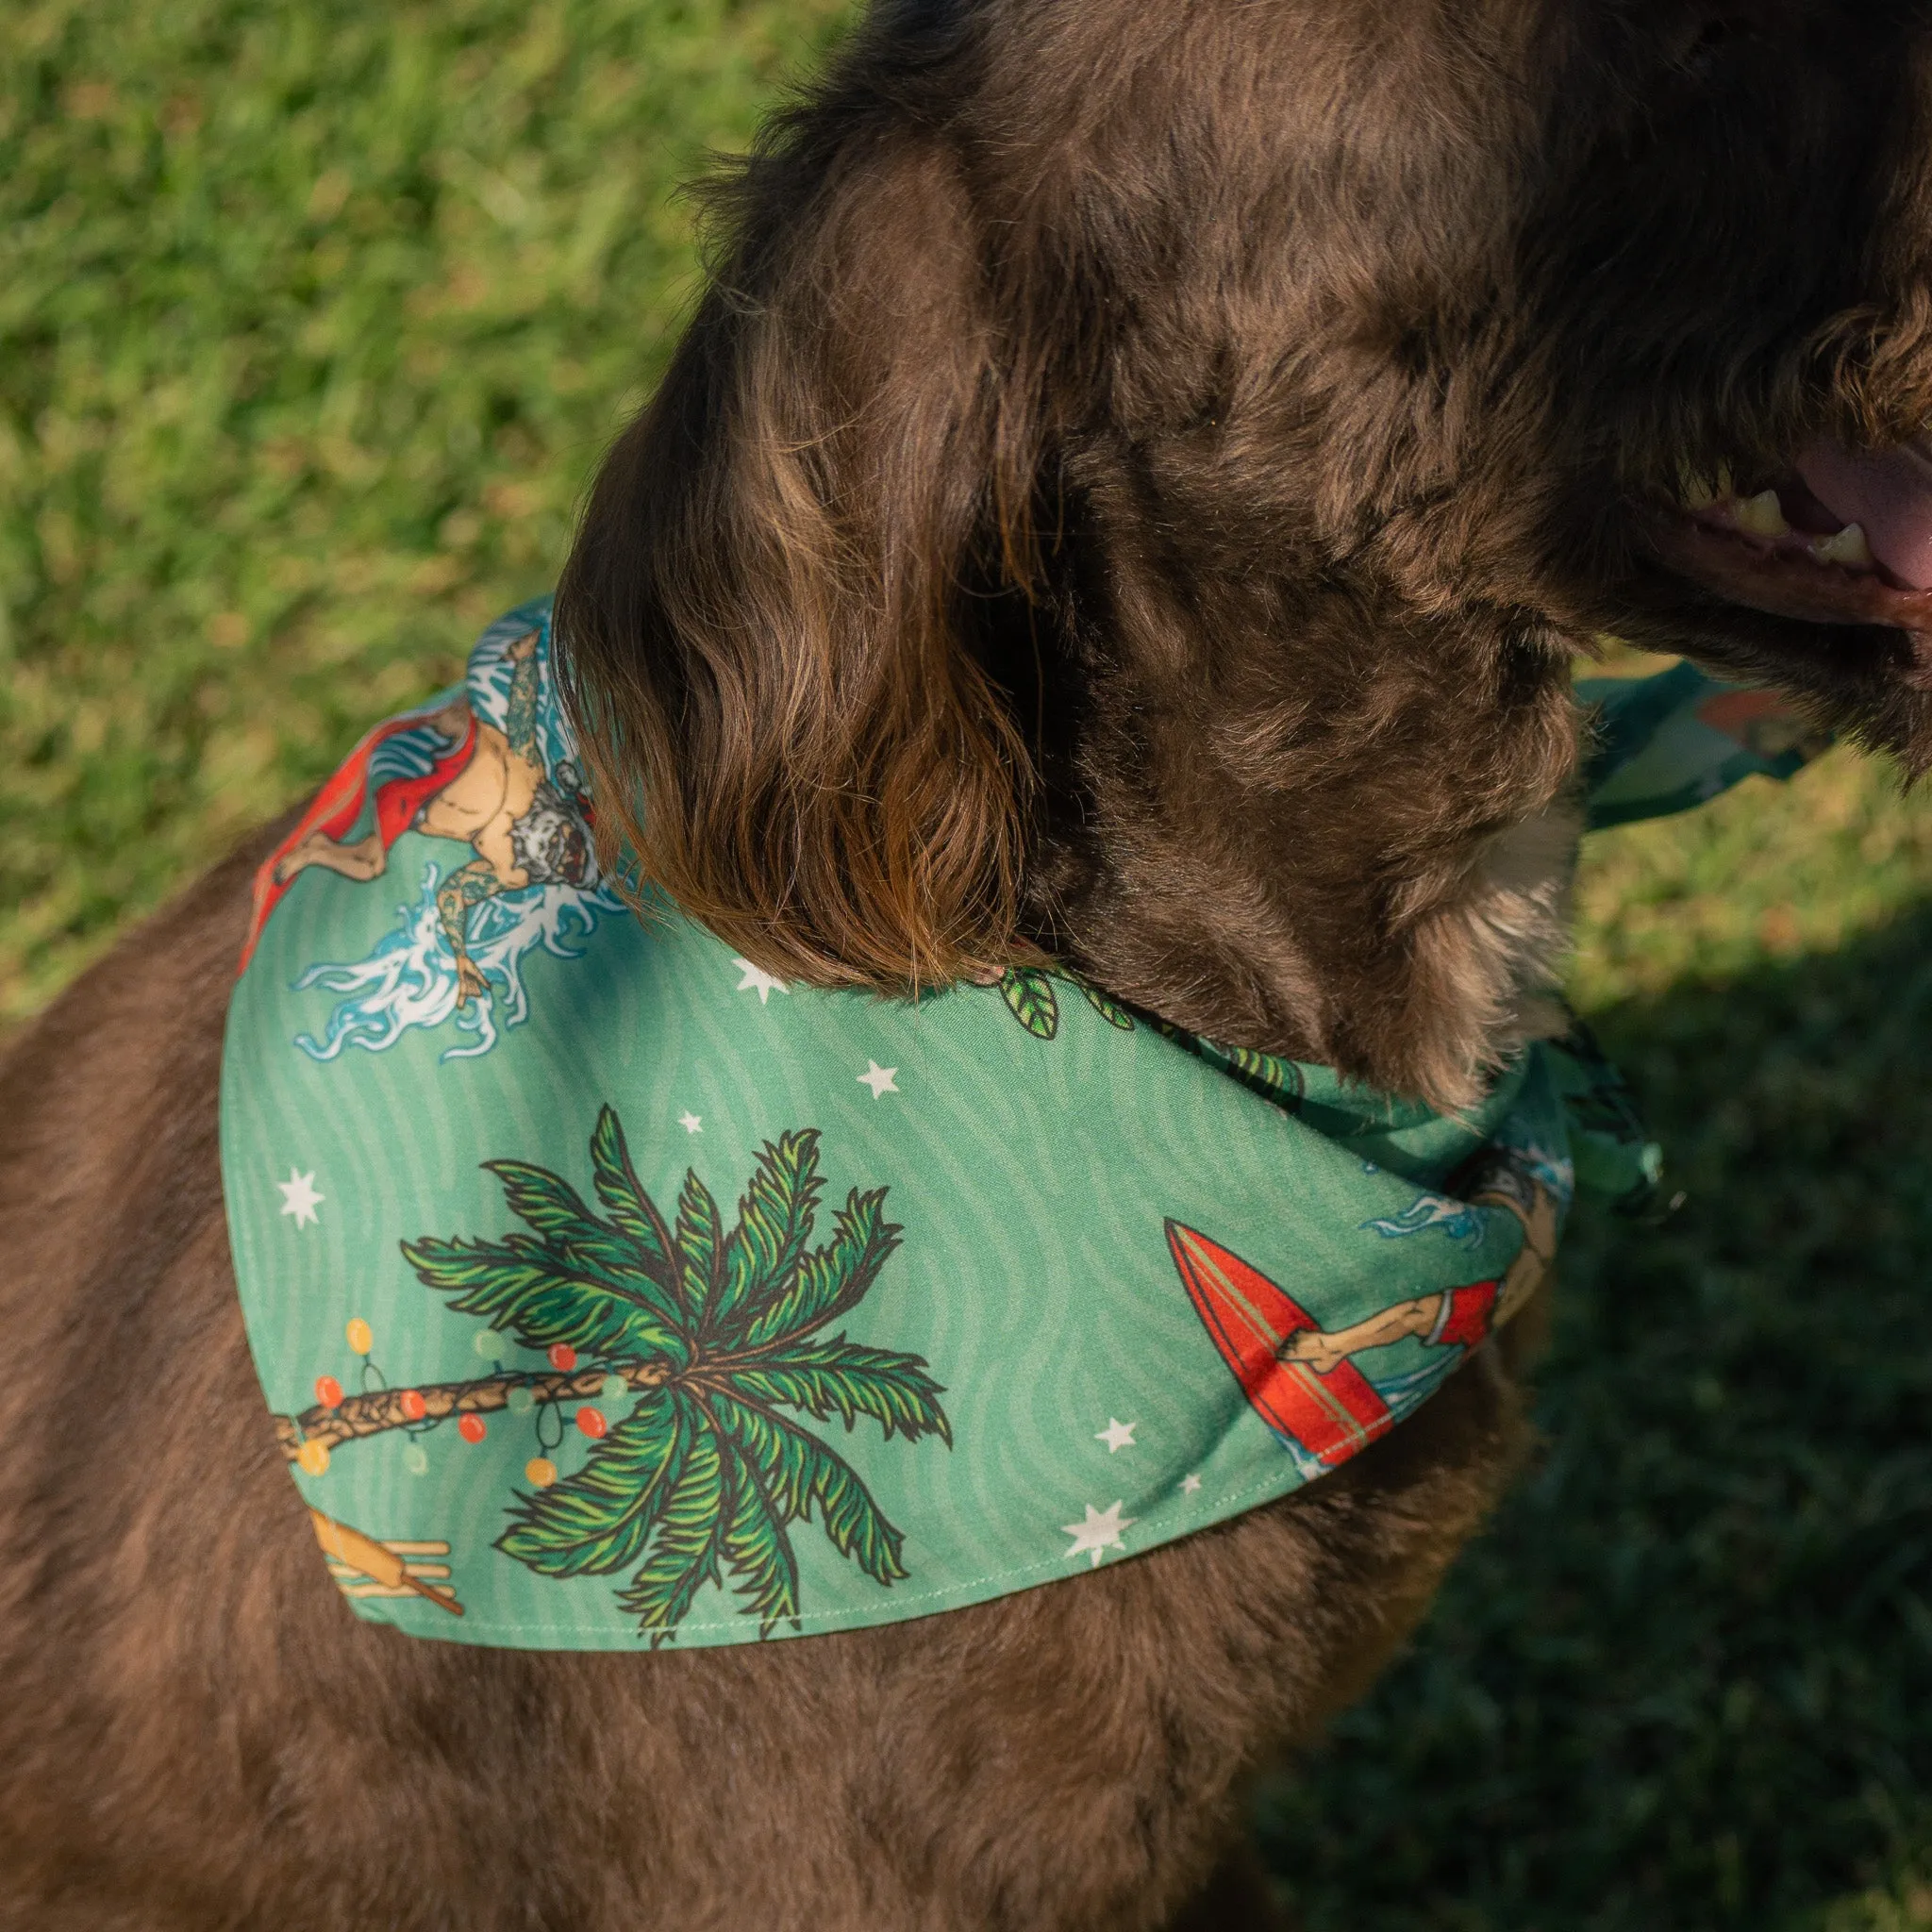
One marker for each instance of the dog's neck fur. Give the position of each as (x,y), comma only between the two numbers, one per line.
(1102,503)
(1350,845)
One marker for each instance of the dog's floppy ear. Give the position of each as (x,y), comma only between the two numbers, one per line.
(759,626)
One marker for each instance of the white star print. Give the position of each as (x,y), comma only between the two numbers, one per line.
(299,1197)
(878,1078)
(1190,1484)
(756,979)
(1117,1436)
(690,1122)
(1099,1533)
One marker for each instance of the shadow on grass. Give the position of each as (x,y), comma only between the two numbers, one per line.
(1687,1681)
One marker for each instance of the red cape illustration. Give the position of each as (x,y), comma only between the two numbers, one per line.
(1332,1416)
(340,803)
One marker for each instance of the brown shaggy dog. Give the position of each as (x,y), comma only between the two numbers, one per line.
(1135,489)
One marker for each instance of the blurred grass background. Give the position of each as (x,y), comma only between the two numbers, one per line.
(314,317)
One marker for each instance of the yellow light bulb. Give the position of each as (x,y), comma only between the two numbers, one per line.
(314,1456)
(540,1471)
(361,1338)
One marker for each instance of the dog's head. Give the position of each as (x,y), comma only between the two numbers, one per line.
(1140,475)
(1671,337)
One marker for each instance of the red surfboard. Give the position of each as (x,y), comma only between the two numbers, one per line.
(1332,1416)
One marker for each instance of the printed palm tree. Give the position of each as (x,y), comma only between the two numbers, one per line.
(718,1332)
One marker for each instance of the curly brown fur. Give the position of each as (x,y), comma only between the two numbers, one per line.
(1134,491)
(1141,476)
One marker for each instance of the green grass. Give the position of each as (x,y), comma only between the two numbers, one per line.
(314,317)
(314,320)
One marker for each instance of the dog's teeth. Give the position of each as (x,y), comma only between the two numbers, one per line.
(1847,546)
(1694,490)
(1726,483)
(1762,515)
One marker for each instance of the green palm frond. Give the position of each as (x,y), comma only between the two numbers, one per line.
(697,1244)
(623,1199)
(778,1450)
(537,1293)
(831,1279)
(843,1379)
(775,1219)
(599,1520)
(855,1525)
(1030,991)
(802,1473)
(552,1207)
(697,1485)
(685,1551)
(757,1553)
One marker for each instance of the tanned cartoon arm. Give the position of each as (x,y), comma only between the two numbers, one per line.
(1455,1316)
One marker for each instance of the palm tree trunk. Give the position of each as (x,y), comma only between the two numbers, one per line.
(370,1415)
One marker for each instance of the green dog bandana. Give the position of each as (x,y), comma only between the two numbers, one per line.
(608,1288)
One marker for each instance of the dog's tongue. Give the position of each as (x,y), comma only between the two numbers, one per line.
(1889,492)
